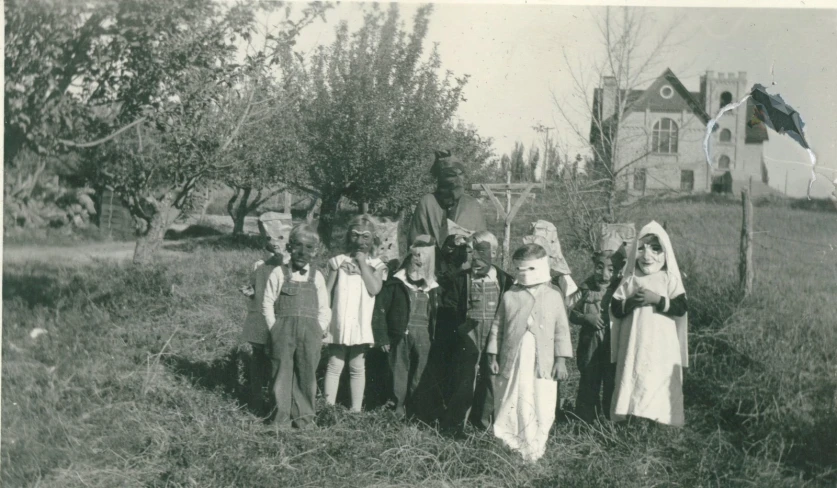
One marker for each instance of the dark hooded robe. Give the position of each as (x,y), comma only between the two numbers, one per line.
(449,201)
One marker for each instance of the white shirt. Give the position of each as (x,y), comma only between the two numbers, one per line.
(274,286)
(401,274)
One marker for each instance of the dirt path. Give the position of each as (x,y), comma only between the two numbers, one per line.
(81,254)
(84,253)
(87,253)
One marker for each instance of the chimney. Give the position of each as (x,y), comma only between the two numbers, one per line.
(609,88)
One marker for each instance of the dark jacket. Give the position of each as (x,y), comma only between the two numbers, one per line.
(392,311)
(594,299)
(454,305)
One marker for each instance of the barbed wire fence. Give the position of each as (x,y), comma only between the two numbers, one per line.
(576,208)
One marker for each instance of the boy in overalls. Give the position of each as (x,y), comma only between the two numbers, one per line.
(296,309)
(404,324)
(473,297)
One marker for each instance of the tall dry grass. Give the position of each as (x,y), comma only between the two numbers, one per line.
(137,381)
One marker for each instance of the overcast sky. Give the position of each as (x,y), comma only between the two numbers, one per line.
(514,56)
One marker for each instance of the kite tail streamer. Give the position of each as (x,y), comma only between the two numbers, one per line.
(813,158)
(713,122)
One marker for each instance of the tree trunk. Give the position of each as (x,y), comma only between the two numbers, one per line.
(309,216)
(328,216)
(148,244)
(206,201)
(241,212)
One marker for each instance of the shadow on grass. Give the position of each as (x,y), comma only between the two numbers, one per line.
(192,231)
(223,374)
(34,289)
(219,242)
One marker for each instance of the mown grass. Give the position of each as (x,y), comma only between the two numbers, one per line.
(137,382)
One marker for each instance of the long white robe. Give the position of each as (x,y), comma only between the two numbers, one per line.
(525,406)
(649,364)
(650,348)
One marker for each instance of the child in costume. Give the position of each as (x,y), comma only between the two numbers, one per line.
(546,235)
(353,281)
(256,335)
(527,347)
(473,297)
(405,320)
(592,313)
(649,332)
(296,309)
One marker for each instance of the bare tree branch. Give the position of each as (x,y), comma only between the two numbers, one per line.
(104,139)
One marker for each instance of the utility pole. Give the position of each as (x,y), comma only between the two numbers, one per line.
(542,129)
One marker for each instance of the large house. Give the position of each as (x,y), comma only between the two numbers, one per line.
(661,132)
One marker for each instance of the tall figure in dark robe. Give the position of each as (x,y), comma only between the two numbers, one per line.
(449,201)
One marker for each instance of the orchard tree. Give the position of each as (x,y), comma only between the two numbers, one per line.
(376,114)
(270,155)
(189,98)
(54,62)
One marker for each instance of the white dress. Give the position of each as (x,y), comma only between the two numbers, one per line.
(351,303)
(525,406)
(648,351)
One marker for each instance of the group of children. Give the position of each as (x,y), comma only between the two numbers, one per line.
(464,339)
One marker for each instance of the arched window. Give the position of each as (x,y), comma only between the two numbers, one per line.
(664,137)
(723,162)
(726,135)
(726,99)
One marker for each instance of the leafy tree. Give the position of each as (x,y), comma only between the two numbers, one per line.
(50,48)
(532,163)
(376,114)
(270,154)
(181,78)
(517,162)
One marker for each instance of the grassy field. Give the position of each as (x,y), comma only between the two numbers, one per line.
(136,382)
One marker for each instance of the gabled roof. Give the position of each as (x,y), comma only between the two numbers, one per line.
(639,100)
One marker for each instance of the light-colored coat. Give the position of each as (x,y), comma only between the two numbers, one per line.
(544,304)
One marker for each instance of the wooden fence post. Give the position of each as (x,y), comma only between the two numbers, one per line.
(745,265)
(507,226)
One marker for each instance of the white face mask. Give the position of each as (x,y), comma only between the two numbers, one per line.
(532,271)
(650,255)
(422,264)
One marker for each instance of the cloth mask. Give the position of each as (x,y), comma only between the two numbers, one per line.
(422,264)
(532,271)
(481,258)
(651,262)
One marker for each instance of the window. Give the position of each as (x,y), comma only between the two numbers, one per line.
(666,92)
(687,180)
(639,179)
(726,135)
(726,99)
(664,137)
(723,162)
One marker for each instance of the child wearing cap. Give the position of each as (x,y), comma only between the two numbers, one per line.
(527,347)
